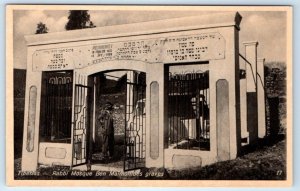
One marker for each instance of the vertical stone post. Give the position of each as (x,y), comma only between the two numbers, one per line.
(261,98)
(251,77)
(156,114)
(30,149)
(251,56)
(243,103)
(225,99)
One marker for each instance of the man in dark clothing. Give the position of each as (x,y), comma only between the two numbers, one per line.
(107,131)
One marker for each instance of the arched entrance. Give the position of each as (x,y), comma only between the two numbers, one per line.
(121,144)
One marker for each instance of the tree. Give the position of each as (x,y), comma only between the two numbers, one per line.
(41,28)
(92,25)
(79,19)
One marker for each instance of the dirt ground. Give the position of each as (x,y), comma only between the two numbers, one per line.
(266,161)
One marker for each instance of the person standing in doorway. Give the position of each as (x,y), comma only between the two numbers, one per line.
(107,131)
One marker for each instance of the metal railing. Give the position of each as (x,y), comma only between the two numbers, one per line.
(56,109)
(188,111)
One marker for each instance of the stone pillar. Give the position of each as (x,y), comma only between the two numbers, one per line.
(224,100)
(251,65)
(243,103)
(261,98)
(156,115)
(30,150)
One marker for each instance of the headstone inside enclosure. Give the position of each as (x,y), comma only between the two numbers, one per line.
(167,92)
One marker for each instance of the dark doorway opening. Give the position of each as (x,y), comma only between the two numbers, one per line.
(118,129)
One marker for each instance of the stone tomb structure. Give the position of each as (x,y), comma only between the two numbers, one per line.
(174,85)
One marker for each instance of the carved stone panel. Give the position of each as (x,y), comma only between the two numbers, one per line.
(173,49)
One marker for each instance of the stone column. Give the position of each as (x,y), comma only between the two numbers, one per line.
(156,115)
(30,149)
(251,77)
(225,100)
(251,56)
(261,98)
(243,103)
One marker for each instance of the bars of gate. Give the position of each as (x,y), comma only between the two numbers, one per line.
(189,110)
(135,118)
(58,109)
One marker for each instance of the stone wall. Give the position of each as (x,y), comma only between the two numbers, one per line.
(275,88)
(113,91)
(118,111)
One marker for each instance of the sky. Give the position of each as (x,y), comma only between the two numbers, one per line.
(269,28)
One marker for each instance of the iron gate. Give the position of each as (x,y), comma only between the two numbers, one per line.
(56,107)
(135,122)
(81,124)
(188,110)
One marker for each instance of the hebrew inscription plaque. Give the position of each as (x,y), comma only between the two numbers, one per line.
(201,47)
